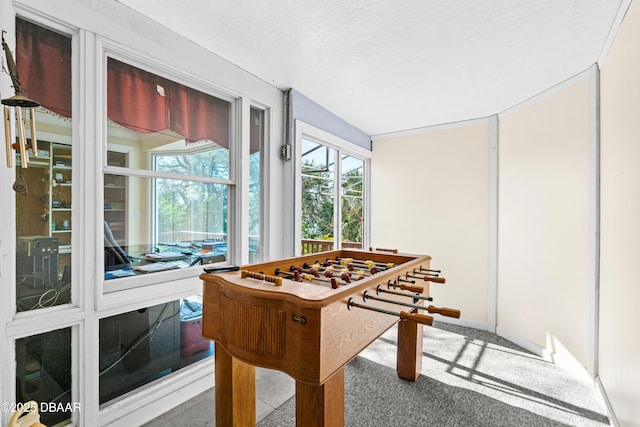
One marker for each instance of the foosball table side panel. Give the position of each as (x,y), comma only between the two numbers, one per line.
(264,332)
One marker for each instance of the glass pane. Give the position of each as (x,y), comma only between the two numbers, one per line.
(43,180)
(43,374)
(212,163)
(143,345)
(255,175)
(318,195)
(154,225)
(352,202)
(187,130)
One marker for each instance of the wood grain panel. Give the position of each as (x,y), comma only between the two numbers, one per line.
(259,330)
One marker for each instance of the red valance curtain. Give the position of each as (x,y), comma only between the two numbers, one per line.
(43,61)
(196,115)
(144,102)
(136,99)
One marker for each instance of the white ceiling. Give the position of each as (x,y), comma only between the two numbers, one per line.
(389,65)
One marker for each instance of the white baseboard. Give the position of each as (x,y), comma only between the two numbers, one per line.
(484,326)
(565,361)
(613,421)
(526,344)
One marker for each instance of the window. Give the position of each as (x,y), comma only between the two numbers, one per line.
(44,218)
(256,136)
(44,222)
(143,345)
(167,187)
(162,165)
(43,373)
(332,186)
(167,177)
(318,197)
(352,200)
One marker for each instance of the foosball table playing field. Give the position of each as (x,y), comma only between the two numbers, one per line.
(309,316)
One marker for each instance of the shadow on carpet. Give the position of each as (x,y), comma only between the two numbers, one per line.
(376,396)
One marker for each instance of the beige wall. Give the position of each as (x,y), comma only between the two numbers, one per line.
(619,338)
(544,208)
(543,240)
(435,201)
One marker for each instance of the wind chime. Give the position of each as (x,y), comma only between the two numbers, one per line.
(20,102)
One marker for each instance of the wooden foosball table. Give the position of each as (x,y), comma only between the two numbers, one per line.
(309,316)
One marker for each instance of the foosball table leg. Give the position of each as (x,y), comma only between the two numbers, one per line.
(321,405)
(235,390)
(409,362)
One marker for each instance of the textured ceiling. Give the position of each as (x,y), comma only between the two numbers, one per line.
(387,66)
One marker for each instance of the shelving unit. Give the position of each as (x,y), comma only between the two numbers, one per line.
(115,198)
(44,221)
(47,205)
(61,195)
(46,211)
(33,211)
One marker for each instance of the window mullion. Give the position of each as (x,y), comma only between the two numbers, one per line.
(337,204)
(117,170)
(241,225)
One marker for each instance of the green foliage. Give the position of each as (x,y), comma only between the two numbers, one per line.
(254,194)
(352,207)
(317,206)
(318,203)
(183,205)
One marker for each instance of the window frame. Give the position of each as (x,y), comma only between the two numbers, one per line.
(265,127)
(342,147)
(148,65)
(96,33)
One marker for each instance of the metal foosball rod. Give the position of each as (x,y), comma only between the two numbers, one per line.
(259,276)
(426,277)
(354,275)
(292,276)
(299,277)
(414,317)
(333,281)
(350,265)
(380,289)
(346,277)
(430,271)
(411,276)
(343,272)
(370,265)
(307,270)
(346,268)
(448,312)
(407,280)
(383,265)
(410,288)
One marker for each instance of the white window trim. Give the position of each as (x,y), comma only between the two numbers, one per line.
(128,56)
(100,33)
(342,147)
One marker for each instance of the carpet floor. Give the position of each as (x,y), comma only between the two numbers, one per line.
(469,378)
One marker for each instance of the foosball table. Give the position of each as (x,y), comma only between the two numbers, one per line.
(309,316)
